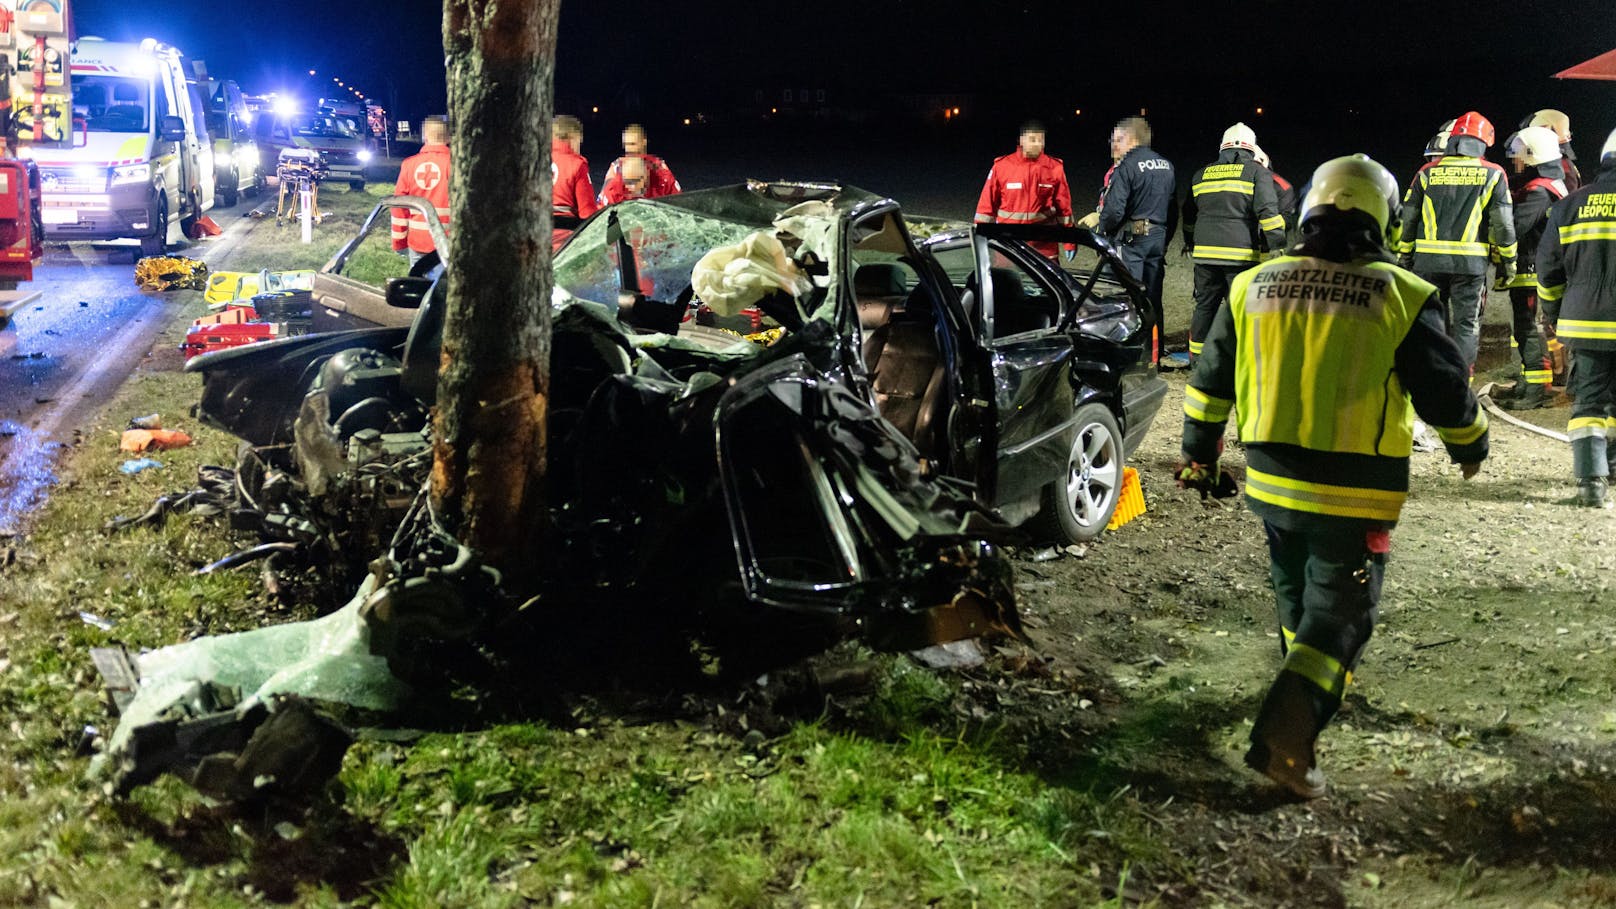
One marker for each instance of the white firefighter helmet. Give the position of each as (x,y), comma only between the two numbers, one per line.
(1438,146)
(1556,121)
(1608,153)
(1535,145)
(1260,156)
(1239,136)
(1353,183)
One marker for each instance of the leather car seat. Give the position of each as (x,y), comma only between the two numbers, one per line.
(879,289)
(907,371)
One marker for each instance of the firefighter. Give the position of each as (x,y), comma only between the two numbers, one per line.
(1231,219)
(1284,192)
(1576,276)
(573,197)
(1028,186)
(660,179)
(1323,351)
(1138,213)
(1534,153)
(1561,125)
(425,174)
(1449,204)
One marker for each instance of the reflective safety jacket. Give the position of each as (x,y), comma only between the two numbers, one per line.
(1443,214)
(1022,190)
(1328,360)
(574,195)
(1142,188)
(1576,265)
(1285,197)
(426,175)
(1232,213)
(1533,199)
(660,181)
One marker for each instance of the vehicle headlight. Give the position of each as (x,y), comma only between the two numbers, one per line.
(364,155)
(131,173)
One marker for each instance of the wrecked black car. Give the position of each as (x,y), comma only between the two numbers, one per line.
(848,462)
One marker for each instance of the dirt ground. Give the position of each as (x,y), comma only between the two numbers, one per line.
(1472,760)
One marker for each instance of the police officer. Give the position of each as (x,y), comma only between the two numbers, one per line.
(1138,212)
(1304,351)
(1231,219)
(1534,153)
(1448,205)
(1576,276)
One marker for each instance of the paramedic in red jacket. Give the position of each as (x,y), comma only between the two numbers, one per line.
(426,175)
(574,195)
(660,180)
(1027,187)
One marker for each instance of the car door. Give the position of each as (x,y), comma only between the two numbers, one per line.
(1017,318)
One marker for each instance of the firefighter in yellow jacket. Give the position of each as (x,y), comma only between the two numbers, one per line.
(1328,353)
(1576,275)
(1456,217)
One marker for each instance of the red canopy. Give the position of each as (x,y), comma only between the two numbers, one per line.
(1600,67)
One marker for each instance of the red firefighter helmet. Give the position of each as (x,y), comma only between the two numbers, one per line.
(1474,125)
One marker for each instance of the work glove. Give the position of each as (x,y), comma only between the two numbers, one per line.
(1185,251)
(1505,272)
(1089,221)
(1207,479)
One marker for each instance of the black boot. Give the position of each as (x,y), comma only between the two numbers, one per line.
(1593,492)
(1292,715)
(1528,396)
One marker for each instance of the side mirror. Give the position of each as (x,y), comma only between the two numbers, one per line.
(407,293)
(171,129)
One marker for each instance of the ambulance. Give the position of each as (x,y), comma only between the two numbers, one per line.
(141,162)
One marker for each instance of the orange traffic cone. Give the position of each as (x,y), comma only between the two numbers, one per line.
(205,227)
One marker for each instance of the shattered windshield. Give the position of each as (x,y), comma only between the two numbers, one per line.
(667,243)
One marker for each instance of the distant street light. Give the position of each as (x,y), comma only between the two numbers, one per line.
(311,72)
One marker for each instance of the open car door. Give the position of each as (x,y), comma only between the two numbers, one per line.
(351,290)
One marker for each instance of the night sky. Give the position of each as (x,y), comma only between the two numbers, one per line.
(1385,73)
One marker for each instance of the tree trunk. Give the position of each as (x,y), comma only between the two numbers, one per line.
(493,384)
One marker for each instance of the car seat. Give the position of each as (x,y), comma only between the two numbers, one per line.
(907,371)
(878,288)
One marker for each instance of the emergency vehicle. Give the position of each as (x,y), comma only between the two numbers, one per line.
(141,163)
(36,101)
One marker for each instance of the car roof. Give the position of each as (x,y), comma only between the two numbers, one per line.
(759,202)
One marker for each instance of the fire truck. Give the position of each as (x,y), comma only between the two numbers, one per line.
(36,99)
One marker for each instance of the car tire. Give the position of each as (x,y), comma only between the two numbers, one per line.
(1077,506)
(357,186)
(229,193)
(157,243)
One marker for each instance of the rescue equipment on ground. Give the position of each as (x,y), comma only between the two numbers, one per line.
(227,286)
(171,273)
(264,317)
(1130,501)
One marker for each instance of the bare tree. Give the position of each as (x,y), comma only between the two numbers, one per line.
(493,385)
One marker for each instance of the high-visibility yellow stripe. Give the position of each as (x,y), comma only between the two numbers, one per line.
(1324,498)
(1585,427)
(1464,435)
(1538,376)
(1523,280)
(1427,209)
(1450,247)
(983,219)
(1199,405)
(1317,667)
(1549,292)
(1195,348)
(1005,215)
(1289,635)
(1587,329)
(1274,223)
(1228,253)
(1587,230)
(1607,234)
(1243,187)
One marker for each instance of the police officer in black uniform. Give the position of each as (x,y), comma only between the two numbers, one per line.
(1139,214)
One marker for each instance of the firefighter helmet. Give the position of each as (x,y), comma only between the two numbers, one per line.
(1438,146)
(1475,126)
(1608,153)
(1554,120)
(1261,157)
(1353,183)
(1535,145)
(1239,136)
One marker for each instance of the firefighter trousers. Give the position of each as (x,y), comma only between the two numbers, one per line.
(1211,291)
(1462,296)
(1529,342)
(1593,412)
(1327,585)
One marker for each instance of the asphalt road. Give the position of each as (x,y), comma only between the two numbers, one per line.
(63,354)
